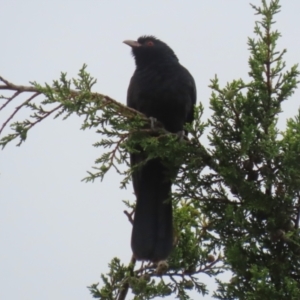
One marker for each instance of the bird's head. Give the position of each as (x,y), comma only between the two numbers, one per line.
(148,49)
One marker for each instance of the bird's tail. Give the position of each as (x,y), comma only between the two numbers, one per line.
(152,233)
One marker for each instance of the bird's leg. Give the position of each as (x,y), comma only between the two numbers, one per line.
(162,267)
(153,121)
(181,135)
(142,266)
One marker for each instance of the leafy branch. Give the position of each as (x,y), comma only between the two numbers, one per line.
(79,100)
(236,203)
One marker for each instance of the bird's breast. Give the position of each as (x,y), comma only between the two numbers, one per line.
(163,95)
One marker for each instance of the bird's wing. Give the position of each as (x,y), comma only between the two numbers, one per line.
(131,98)
(193,97)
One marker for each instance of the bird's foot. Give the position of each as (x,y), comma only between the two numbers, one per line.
(162,267)
(152,122)
(181,135)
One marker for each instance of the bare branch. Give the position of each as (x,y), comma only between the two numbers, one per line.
(20,88)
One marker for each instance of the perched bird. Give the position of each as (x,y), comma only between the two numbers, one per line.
(163,89)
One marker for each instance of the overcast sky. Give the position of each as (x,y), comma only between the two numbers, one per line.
(57,234)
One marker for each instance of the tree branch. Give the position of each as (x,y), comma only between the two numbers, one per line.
(124,289)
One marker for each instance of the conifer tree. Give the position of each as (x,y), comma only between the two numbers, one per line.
(236,201)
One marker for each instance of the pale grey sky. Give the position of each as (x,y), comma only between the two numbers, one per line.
(58,234)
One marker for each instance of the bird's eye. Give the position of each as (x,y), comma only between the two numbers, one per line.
(149,43)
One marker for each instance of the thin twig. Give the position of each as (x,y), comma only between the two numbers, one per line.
(48,113)
(129,215)
(10,99)
(17,109)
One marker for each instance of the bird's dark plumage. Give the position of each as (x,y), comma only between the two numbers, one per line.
(163,89)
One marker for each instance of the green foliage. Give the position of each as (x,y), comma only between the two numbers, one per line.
(236,203)
(259,234)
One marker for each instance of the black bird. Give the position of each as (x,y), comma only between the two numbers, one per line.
(163,89)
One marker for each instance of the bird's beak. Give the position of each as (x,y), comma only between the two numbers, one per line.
(132,44)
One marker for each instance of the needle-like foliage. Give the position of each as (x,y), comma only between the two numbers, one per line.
(236,201)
